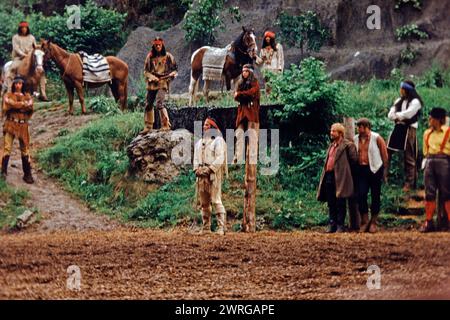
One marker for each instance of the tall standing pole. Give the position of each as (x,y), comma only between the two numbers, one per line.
(251,156)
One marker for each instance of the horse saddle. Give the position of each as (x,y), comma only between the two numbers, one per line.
(95,68)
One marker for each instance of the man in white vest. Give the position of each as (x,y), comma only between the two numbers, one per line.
(372,158)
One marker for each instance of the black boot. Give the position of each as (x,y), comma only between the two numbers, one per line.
(5,161)
(27,177)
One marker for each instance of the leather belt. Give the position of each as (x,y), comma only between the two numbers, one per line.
(18,120)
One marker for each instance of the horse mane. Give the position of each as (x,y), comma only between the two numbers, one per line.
(238,40)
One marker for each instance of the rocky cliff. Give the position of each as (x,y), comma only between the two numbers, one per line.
(354,52)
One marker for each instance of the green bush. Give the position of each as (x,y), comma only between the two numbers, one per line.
(104,105)
(305,29)
(89,160)
(415,3)
(309,97)
(410,32)
(204,18)
(101,30)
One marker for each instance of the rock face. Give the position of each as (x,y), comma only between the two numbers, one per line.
(158,156)
(378,49)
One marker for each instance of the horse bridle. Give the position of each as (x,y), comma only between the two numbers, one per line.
(247,53)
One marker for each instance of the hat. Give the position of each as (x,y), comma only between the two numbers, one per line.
(438,113)
(23,24)
(269,34)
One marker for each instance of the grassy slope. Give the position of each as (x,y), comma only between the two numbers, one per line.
(92,163)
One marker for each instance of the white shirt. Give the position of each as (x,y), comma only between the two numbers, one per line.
(404,114)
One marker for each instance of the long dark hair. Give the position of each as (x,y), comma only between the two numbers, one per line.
(410,95)
(158,54)
(245,84)
(271,43)
(20,32)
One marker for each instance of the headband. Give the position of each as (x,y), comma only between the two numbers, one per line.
(158,41)
(212,123)
(269,34)
(247,69)
(406,86)
(23,24)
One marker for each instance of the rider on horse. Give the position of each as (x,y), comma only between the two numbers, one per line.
(23,43)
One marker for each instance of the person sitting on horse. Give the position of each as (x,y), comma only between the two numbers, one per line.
(159,69)
(23,43)
(271,57)
(18,109)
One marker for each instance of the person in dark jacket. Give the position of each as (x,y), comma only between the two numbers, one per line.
(336,182)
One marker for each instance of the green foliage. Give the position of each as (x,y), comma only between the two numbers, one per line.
(204,18)
(101,30)
(410,32)
(104,105)
(93,164)
(89,160)
(169,205)
(305,29)
(415,3)
(12,204)
(309,97)
(408,56)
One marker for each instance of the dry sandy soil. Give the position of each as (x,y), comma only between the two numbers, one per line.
(119,262)
(148,264)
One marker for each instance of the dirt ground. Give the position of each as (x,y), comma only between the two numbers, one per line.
(59,210)
(120,262)
(148,264)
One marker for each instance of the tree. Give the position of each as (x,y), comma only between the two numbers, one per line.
(204,18)
(305,29)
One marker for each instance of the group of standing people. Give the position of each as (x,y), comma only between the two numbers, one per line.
(354,167)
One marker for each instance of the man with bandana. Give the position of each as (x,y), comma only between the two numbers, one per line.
(159,69)
(405,113)
(23,43)
(17,109)
(210,167)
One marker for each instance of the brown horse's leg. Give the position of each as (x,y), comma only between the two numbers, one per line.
(123,94)
(114,85)
(80,93)
(69,89)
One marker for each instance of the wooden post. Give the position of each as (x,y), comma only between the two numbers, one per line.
(251,156)
(354,216)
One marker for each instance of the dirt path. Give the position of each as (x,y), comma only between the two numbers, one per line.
(59,210)
(149,264)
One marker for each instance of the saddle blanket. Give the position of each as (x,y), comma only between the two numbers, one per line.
(95,68)
(213,62)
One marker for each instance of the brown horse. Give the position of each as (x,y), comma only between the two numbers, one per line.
(31,69)
(242,51)
(71,69)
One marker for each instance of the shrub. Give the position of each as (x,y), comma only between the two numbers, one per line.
(309,97)
(204,18)
(305,29)
(101,30)
(410,32)
(415,3)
